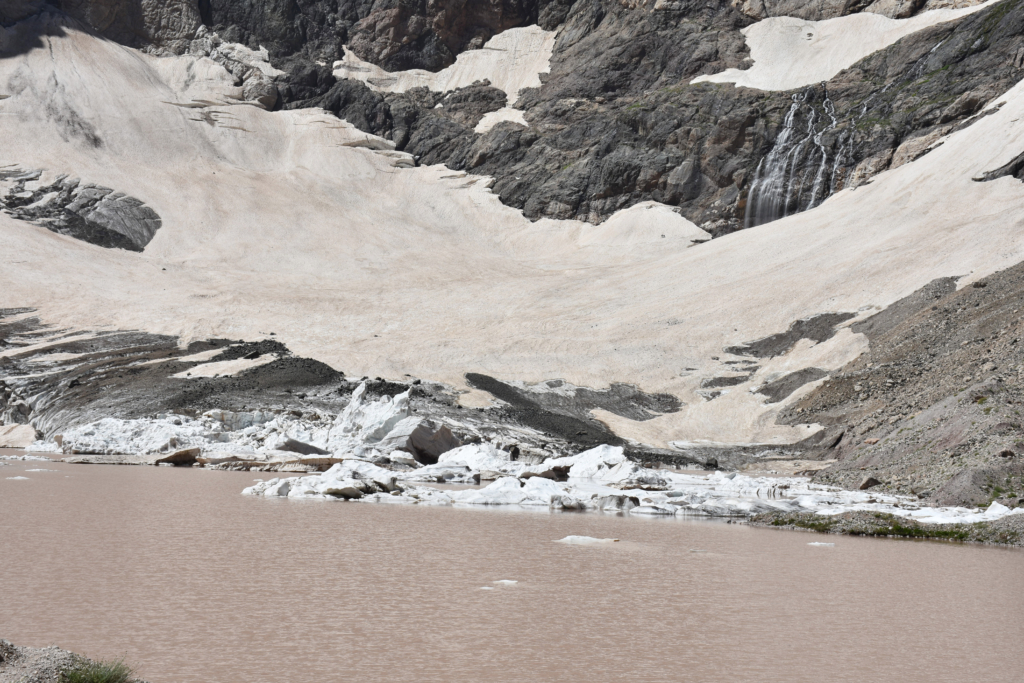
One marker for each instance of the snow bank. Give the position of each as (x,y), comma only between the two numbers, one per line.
(511,60)
(791,53)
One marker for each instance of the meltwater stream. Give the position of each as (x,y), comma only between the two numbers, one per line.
(192,581)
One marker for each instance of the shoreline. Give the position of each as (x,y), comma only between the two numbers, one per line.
(48,664)
(1007,532)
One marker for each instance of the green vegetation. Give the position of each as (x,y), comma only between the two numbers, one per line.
(896,528)
(824,526)
(98,672)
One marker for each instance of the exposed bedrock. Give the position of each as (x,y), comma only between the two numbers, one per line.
(163,24)
(616,121)
(88,212)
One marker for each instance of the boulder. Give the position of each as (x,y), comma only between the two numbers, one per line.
(17,436)
(419,437)
(183,458)
(868,482)
(260,90)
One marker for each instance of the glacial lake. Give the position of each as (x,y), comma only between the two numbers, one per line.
(192,582)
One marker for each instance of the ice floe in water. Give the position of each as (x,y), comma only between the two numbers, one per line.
(24,457)
(506,582)
(599,479)
(586,540)
(604,479)
(822,545)
(17,478)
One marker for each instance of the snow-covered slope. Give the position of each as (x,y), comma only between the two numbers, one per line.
(296,223)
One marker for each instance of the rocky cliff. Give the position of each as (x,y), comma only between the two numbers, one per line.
(616,121)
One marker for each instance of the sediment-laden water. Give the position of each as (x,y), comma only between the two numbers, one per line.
(192,581)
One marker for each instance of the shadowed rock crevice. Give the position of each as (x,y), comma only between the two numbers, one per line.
(584,432)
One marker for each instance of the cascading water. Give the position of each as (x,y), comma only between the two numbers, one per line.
(765,199)
(798,173)
(782,178)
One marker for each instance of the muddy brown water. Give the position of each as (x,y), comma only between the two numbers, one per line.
(192,582)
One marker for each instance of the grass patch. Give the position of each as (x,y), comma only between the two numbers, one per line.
(890,525)
(823,526)
(98,672)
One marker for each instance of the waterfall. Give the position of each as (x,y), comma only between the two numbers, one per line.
(795,163)
(798,173)
(765,198)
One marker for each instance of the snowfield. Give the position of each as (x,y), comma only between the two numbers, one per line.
(294,222)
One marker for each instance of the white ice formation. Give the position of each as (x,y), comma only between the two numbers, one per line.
(586,540)
(364,429)
(604,479)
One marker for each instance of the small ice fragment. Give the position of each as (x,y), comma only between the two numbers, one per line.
(823,545)
(40,470)
(16,478)
(506,582)
(585,540)
(487,588)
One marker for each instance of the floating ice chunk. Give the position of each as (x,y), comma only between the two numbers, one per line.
(585,540)
(822,545)
(24,457)
(506,582)
(487,588)
(17,478)
(40,470)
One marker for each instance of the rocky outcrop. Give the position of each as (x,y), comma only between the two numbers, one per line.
(616,121)
(88,212)
(167,25)
(933,407)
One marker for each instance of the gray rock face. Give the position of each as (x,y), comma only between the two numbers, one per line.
(164,24)
(616,121)
(398,35)
(12,11)
(91,213)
